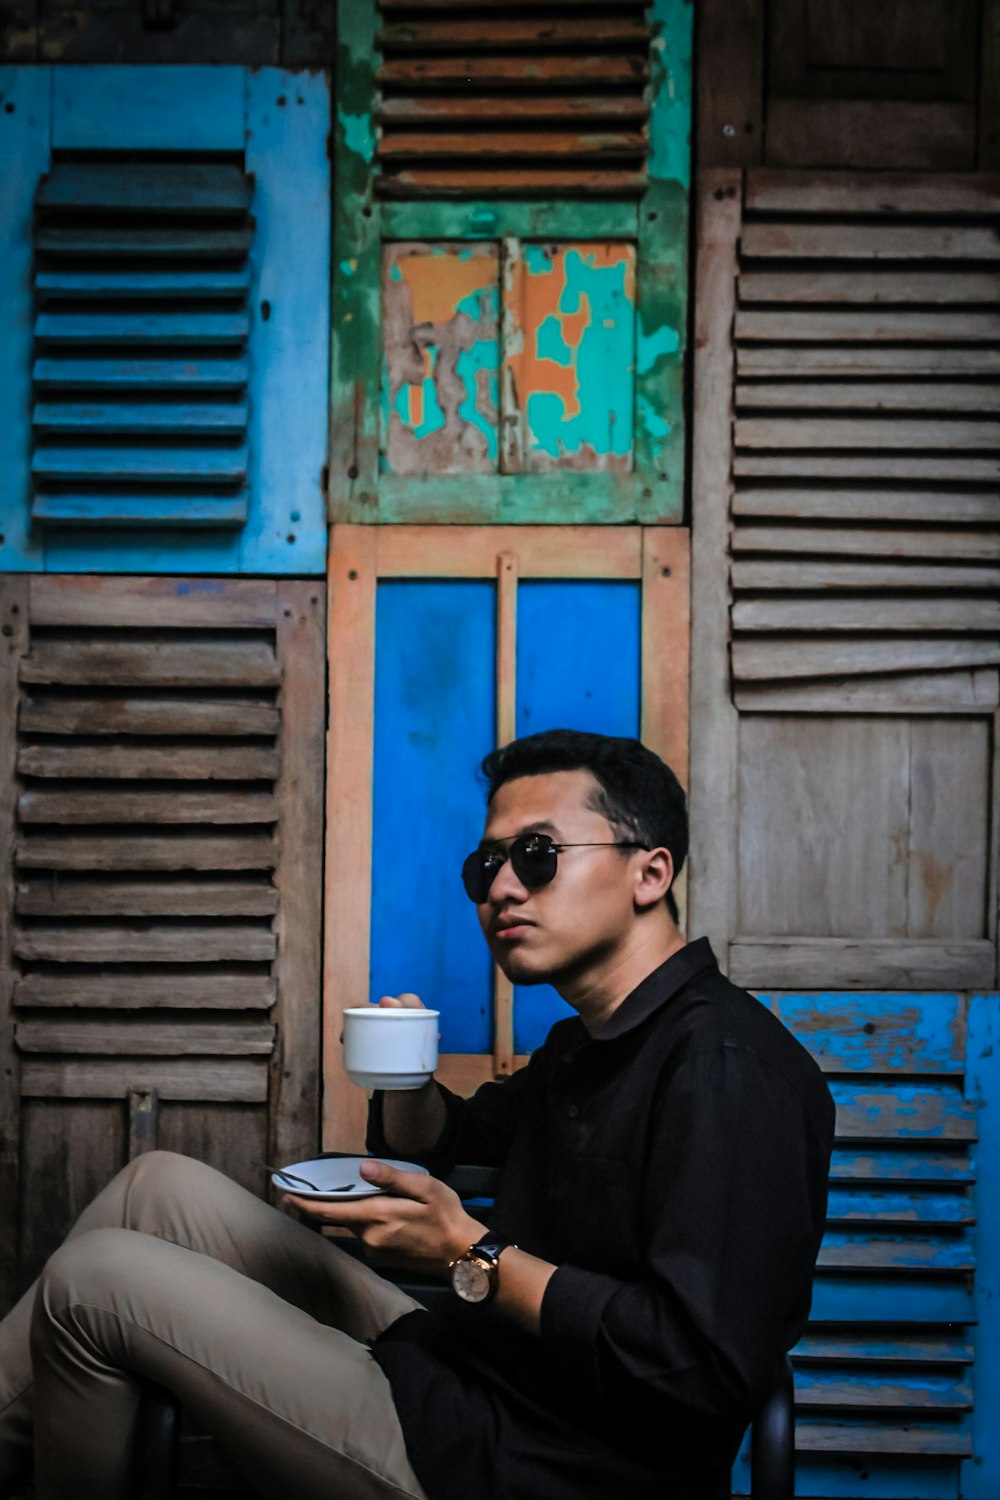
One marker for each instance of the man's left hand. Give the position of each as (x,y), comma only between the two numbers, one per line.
(415,1221)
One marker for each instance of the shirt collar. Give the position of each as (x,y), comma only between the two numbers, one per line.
(657,988)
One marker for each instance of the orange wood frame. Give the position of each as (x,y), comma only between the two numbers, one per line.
(359,557)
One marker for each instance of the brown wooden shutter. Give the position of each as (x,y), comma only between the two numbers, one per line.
(846,475)
(164,875)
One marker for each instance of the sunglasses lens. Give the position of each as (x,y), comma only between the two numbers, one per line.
(534,859)
(475,877)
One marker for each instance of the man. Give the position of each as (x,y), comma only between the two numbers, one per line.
(660,1204)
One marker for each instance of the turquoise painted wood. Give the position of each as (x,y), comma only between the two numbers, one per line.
(25,115)
(980,1476)
(218,324)
(93,109)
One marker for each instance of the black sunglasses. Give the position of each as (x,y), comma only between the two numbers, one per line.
(535,858)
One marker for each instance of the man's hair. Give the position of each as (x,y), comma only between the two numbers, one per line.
(636,791)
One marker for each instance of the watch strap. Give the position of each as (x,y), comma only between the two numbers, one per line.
(491,1246)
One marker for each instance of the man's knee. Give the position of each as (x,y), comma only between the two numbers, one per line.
(161,1177)
(85,1269)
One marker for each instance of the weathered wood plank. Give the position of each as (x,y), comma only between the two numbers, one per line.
(761,660)
(879,615)
(119,375)
(179,806)
(878,1033)
(83,242)
(127,329)
(729,59)
(883,542)
(143,464)
(181,943)
(166,714)
(914,1111)
(230,1080)
(712,888)
(581,145)
(139,418)
(862,194)
(930,693)
(448,109)
(887,1207)
(464,182)
(921,1391)
(351,585)
(141,898)
(190,512)
(900,1163)
(802,362)
(876,505)
(100,851)
(541,551)
(139,762)
(948,846)
(118,663)
(866,432)
(876,464)
(871,326)
(136,1036)
(798,240)
(14,621)
(787,576)
(924,1438)
(903,1348)
(578,70)
(166,990)
(128,284)
(483,36)
(885,285)
(867,395)
(852,964)
(293,1125)
(212,188)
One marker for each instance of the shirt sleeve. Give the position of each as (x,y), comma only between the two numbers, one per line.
(732,1212)
(477,1130)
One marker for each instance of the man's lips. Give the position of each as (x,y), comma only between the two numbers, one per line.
(506,929)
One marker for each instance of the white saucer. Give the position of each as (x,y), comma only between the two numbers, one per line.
(337,1177)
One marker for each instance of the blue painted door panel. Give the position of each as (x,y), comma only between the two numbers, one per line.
(199,390)
(577,667)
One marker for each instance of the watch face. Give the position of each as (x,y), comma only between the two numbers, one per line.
(471,1280)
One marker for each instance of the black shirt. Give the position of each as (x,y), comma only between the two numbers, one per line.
(674,1168)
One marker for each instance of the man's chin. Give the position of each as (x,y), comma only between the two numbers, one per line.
(520,969)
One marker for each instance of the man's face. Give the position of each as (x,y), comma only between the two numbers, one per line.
(556,931)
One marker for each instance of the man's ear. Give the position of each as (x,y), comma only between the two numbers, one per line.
(655,876)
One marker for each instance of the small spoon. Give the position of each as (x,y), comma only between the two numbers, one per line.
(344,1187)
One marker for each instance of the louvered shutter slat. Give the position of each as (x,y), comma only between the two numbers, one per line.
(477,105)
(147,375)
(141,898)
(101,295)
(114,851)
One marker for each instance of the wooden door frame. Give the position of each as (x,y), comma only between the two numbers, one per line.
(657,557)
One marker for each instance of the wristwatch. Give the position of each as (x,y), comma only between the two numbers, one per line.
(475,1275)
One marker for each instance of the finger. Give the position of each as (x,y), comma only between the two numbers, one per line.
(417,1185)
(407,1000)
(333,1211)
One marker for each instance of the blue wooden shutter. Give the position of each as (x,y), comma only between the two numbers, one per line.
(165,236)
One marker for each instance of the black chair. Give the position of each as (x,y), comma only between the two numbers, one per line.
(772,1432)
(772,1443)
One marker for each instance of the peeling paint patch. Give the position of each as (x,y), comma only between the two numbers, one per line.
(440,387)
(570,356)
(359,136)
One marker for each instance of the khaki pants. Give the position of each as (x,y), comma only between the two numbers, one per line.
(177,1275)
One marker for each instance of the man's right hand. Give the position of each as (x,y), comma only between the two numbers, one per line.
(412,1119)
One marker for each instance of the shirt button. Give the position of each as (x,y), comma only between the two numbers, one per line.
(573,1111)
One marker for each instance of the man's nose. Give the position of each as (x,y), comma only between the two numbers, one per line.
(506,885)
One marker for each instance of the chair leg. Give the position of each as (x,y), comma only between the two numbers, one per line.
(772,1440)
(157,1436)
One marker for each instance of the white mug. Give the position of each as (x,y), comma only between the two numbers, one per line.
(390,1047)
